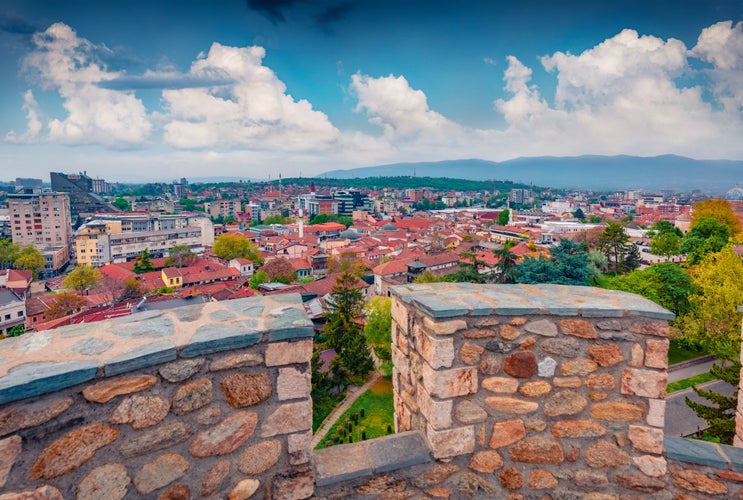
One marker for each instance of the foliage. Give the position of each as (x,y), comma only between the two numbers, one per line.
(323,397)
(346,261)
(503,217)
(257,279)
(180,256)
(721,417)
(505,270)
(426,204)
(16,331)
(378,328)
(275,219)
(83,277)
(707,236)
(662,227)
(144,264)
(686,383)
(713,320)
(665,284)
(65,304)
(133,289)
(568,265)
(30,259)
(371,416)
(122,204)
(679,351)
(279,269)
(666,244)
(189,205)
(343,326)
(469,268)
(622,255)
(429,276)
(164,290)
(323,218)
(578,214)
(230,246)
(8,253)
(719,210)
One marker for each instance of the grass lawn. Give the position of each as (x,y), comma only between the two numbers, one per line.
(678,352)
(688,382)
(378,411)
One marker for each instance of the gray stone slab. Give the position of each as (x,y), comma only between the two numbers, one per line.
(399,451)
(141,357)
(137,317)
(83,329)
(289,333)
(92,346)
(33,379)
(189,313)
(438,308)
(735,456)
(694,451)
(219,337)
(222,316)
(341,463)
(156,327)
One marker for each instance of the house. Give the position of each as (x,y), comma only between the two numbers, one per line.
(243,266)
(12,310)
(172,277)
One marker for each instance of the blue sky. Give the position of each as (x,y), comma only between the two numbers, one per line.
(138,90)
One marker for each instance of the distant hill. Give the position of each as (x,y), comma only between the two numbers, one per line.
(672,172)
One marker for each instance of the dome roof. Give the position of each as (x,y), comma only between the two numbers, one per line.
(389,227)
(734,194)
(350,234)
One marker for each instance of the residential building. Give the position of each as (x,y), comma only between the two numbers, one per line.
(79,187)
(223,208)
(118,238)
(12,310)
(43,220)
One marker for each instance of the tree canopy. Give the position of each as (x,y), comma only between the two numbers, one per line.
(707,236)
(30,259)
(180,256)
(279,269)
(568,265)
(720,210)
(622,255)
(83,277)
(65,303)
(9,252)
(230,246)
(144,264)
(666,284)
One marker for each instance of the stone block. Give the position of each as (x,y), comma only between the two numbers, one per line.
(606,354)
(437,413)
(656,413)
(242,390)
(293,384)
(605,454)
(287,419)
(141,357)
(33,379)
(503,385)
(617,412)
(450,382)
(650,465)
(647,383)
(216,337)
(192,396)
(299,447)
(140,411)
(398,451)
(511,405)
(159,438)
(647,439)
(542,327)
(342,463)
(439,352)
(539,449)
(108,482)
(9,449)
(656,353)
(577,327)
(287,353)
(400,315)
(30,414)
(444,327)
(694,451)
(451,442)
(506,433)
(260,457)
(469,412)
(226,436)
(470,353)
(160,472)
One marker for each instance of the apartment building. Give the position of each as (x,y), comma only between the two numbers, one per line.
(43,220)
(118,238)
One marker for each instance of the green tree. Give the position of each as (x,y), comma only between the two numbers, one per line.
(122,204)
(343,329)
(721,417)
(16,331)
(257,279)
(132,289)
(469,268)
(8,253)
(230,246)
(180,256)
(189,205)
(378,327)
(665,284)
(663,226)
(578,214)
(666,245)
(429,276)
(30,259)
(622,255)
(323,218)
(503,217)
(713,320)
(707,236)
(144,264)
(275,219)
(83,277)
(568,265)
(505,270)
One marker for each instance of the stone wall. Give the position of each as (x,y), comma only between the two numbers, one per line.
(548,388)
(207,400)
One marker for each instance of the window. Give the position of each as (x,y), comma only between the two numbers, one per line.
(7,317)
(20,314)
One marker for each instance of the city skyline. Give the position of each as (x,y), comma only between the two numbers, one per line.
(161,90)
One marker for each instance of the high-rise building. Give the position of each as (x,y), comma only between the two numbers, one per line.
(43,220)
(80,189)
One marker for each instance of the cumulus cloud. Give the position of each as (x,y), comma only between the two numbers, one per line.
(33,122)
(722,45)
(71,66)
(401,111)
(253,112)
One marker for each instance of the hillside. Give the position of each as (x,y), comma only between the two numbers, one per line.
(582,172)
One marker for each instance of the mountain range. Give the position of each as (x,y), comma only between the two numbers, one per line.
(667,172)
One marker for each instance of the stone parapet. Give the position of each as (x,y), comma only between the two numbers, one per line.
(204,400)
(535,381)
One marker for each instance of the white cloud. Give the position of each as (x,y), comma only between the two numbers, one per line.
(722,45)
(401,111)
(253,112)
(69,65)
(33,123)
